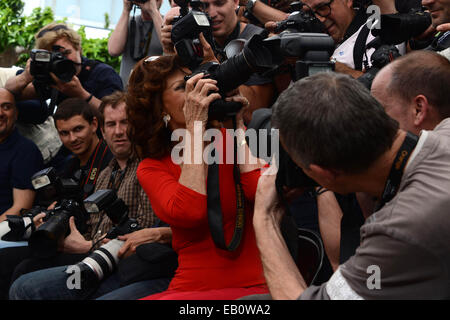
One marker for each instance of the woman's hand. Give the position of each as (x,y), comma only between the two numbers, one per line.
(198,97)
(245,106)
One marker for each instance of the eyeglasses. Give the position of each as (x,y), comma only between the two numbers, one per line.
(323,10)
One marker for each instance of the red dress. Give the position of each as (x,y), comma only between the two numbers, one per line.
(202,266)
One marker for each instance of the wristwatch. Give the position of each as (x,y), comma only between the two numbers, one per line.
(250,4)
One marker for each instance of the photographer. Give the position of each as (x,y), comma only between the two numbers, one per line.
(179,193)
(137,38)
(92,80)
(409,90)
(404,245)
(120,174)
(226,27)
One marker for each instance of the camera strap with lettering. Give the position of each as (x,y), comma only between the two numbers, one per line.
(94,170)
(395,175)
(215,216)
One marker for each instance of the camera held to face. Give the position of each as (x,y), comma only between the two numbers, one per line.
(43,62)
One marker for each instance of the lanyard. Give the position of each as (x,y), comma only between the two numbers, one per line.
(112,184)
(395,175)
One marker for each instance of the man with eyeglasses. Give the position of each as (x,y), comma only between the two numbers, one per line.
(347,26)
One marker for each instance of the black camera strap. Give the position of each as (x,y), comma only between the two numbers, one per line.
(94,170)
(143,45)
(215,216)
(395,175)
(113,184)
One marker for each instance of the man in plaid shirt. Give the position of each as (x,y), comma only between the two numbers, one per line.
(120,175)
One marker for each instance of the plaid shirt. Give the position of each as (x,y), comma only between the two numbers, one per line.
(129,190)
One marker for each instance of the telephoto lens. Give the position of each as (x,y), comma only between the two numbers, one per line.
(103,261)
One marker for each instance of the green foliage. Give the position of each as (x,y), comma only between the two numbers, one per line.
(10,22)
(97,49)
(19,30)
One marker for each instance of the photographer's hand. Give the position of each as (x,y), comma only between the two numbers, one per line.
(75,242)
(198,97)
(166,31)
(74,89)
(147,235)
(208,53)
(21,85)
(443,27)
(282,275)
(38,220)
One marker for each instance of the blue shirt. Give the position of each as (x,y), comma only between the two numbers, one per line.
(19,160)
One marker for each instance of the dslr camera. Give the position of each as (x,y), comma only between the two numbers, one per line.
(49,188)
(103,261)
(43,62)
(66,192)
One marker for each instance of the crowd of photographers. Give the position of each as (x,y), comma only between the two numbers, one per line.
(353,206)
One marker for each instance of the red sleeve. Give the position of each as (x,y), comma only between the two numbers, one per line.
(249,181)
(172,202)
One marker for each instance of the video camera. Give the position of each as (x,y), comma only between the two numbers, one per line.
(49,188)
(102,262)
(43,62)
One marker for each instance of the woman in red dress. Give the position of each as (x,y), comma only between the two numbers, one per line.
(159,102)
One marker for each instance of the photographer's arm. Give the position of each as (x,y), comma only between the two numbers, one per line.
(151,8)
(265,13)
(282,275)
(21,85)
(330,215)
(197,101)
(342,68)
(118,39)
(166,31)
(22,199)
(147,235)
(74,89)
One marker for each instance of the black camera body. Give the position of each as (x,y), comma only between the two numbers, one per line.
(44,242)
(300,21)
(395,29)
(43,62)
(68,196)
(186,30)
